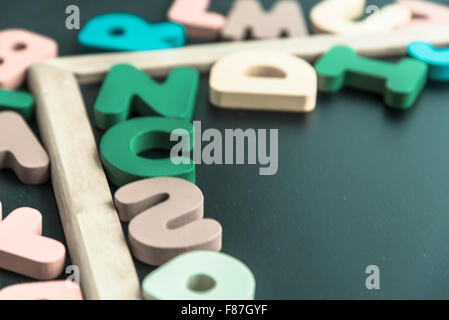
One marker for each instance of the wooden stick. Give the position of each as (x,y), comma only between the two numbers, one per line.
(91,225)
(92,68)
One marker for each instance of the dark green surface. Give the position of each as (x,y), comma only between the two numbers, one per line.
(357,184)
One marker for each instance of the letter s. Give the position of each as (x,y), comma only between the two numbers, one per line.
(166,219)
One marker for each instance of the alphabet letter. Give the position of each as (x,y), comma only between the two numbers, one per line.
(337,16)
(73,20)
(128,32)
(126,88)
(121,145)
(21,151)
(199,23)
(49,290)
(18,101)
(19,49)
(24,250)
(436,59)
(373,280)
(400,83)
(263,80)
(286,16)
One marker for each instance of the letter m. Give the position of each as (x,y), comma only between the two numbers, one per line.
(248,16)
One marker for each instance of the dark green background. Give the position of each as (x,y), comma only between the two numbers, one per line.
(357,183)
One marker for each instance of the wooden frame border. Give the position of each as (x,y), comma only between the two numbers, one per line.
(93,232)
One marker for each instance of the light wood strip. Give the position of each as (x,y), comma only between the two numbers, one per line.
(91,225)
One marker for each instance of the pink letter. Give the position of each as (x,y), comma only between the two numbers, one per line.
(193,15)
(24,250)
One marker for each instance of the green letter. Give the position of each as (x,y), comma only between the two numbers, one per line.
(121,145)
(127,89)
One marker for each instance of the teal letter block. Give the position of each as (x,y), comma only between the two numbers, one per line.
(399,83)
(436,59)
(121,145)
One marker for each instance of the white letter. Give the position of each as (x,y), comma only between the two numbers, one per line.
(215,146)
(73,20)
(272,159)
(182,146)
(240,136)
(73,278)
(197,142)
(373,280)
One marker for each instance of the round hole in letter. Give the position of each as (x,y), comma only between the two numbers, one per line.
(118,31)
(155,153)
(152,145)
(19,46)
(200,283)
(265,72)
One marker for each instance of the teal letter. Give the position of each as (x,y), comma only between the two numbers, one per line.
(121,145)
(127,89)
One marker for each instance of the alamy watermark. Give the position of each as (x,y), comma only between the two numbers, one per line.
(227,149)
(372,9)
(373,280)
